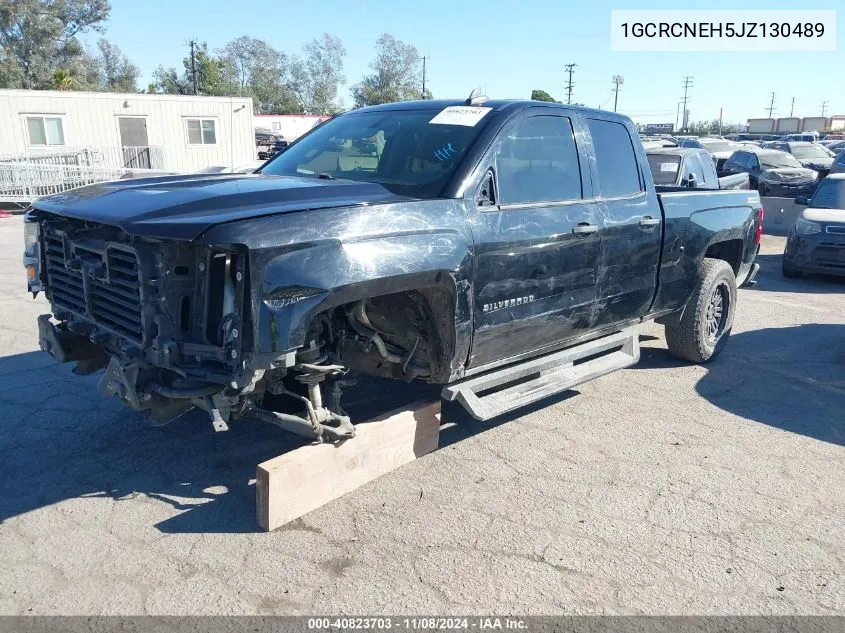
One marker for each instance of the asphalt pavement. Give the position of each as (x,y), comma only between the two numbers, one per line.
(666,488)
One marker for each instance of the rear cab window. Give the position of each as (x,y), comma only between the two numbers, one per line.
(618,169)
(664,168)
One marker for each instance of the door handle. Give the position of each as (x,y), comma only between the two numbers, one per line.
(649,221)
(584,228)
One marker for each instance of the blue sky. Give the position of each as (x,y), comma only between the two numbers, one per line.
(506,47)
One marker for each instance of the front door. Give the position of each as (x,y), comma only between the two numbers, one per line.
(537,243)
(134,142)
(630,227)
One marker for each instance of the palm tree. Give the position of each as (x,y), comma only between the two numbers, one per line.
(62,80)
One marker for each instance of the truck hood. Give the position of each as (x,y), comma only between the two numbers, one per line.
(183,207)
(817,163)
(790,174)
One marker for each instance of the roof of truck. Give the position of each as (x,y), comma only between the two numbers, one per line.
(496,104)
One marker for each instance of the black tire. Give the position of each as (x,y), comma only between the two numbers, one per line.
(707,320)
(789,271)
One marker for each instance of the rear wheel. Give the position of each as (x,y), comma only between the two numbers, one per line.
(708,318)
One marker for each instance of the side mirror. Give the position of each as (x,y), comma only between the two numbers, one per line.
(692,183)
(802,201)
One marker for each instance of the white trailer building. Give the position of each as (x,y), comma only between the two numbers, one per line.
(50,140)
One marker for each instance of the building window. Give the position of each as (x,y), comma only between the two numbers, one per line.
(45,130)
(201,132)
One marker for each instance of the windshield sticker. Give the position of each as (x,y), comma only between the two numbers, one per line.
(671,167)
(460,115)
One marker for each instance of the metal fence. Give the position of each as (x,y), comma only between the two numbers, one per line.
(145,157)
(29,175)
(23,182)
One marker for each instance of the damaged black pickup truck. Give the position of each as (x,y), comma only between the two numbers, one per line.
(504,249)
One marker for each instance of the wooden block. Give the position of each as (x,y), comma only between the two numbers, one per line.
(293,484)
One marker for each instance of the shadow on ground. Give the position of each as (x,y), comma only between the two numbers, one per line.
(772,280)
(792,378)
(61,439)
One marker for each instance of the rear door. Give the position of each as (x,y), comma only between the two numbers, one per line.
(630,226)
(537,245)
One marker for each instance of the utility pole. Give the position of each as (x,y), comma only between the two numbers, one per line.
(720,121)
(423,86)
(569,84)
(618,80)
(772,105)
(194,64)
(824,106)
(677,112)
(688,83)
(792,107)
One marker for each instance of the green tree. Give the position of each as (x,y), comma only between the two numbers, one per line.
(317,76)
(396,76)
(251,67)
(542,95)
(210,76)
(62,79)
(116,72)
(39,37)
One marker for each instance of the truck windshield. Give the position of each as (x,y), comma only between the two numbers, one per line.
(664,169)
(809,151)
(829,195)
(778,160)
(402,150)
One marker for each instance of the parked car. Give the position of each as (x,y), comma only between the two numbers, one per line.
(807,137)
(816,242)
(264,136)
(489,241)
(278,147)
(838,166)
(772,172)
(690,169)
(836,146)
(810,155)
(689,142)
(720,149)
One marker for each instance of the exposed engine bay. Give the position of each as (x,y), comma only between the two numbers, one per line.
(171,324)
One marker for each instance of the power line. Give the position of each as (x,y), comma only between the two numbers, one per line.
(688,83)
(569,69)
(771,105)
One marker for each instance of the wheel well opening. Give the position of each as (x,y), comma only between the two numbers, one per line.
(729,251)
(401,335)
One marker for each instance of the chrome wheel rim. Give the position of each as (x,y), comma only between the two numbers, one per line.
(716,313)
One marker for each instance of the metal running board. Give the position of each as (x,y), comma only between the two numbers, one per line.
(555,372)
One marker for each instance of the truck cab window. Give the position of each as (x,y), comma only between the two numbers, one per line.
(615,158)
(537,161)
